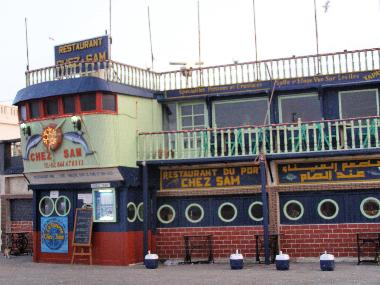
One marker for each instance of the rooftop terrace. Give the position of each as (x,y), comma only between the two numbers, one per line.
(344,136)
(264,70)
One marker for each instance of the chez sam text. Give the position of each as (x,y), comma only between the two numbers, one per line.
(203,178)
(70,156)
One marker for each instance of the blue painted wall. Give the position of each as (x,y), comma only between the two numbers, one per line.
(134,195)
(348,202)
(329,99)
(123,197)
(210,206)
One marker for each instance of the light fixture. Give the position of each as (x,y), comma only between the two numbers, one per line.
(25,129)
(105,190)
(77,124)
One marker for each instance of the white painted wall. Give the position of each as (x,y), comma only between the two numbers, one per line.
(8,122)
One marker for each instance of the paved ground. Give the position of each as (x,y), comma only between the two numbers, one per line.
(21,270)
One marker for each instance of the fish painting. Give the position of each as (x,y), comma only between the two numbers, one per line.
(174,182)
(373,172)
(290,177)
(77,138)
(32,142)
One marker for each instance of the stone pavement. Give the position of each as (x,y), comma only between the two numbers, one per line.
(21,270)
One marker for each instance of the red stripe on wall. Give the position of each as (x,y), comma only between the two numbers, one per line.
(109,248)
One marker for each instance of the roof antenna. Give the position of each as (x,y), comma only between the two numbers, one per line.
(110,35)
(27,45)
(199,46)
(254,28)
(316,37)
(150,38)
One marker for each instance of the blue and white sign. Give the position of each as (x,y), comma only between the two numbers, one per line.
(90,50)
(54,234)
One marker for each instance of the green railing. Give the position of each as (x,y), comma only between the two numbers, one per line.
(300,137)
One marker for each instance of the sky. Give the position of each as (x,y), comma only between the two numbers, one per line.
(283,28)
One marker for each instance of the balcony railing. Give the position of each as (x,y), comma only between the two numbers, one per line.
(300,137)
(274,69)
(108,70)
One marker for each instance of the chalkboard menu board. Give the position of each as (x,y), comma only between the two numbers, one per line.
(83,227)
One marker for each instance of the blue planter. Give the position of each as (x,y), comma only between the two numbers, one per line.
(327,265)
(151,263)
(327,262)
(282,261)
(151,260)
(282,264)
(236,260)
(236,263)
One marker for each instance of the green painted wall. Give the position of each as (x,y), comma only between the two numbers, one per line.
(111,137)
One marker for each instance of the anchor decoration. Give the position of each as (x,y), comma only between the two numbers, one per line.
(52,137)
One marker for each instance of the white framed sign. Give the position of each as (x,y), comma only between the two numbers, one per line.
(75,176)
(54,194)
(100,185)
(85,197)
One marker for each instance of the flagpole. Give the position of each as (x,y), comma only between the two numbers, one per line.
(110,23)
(254,30)
(199,36)
(199,47)
(254,27)
(27,45)
(316,34)
(150,38)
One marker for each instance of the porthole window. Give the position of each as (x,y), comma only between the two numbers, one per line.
(194,213)
(370,207)
(62,206)
(293,210)
(328,209)
(255,211)
(140,212)
(46,206)
(131,212)
(166,214)
(227,212)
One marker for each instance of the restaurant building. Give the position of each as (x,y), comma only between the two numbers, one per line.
(162,156)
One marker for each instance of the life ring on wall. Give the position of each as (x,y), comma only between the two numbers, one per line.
(52,137)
